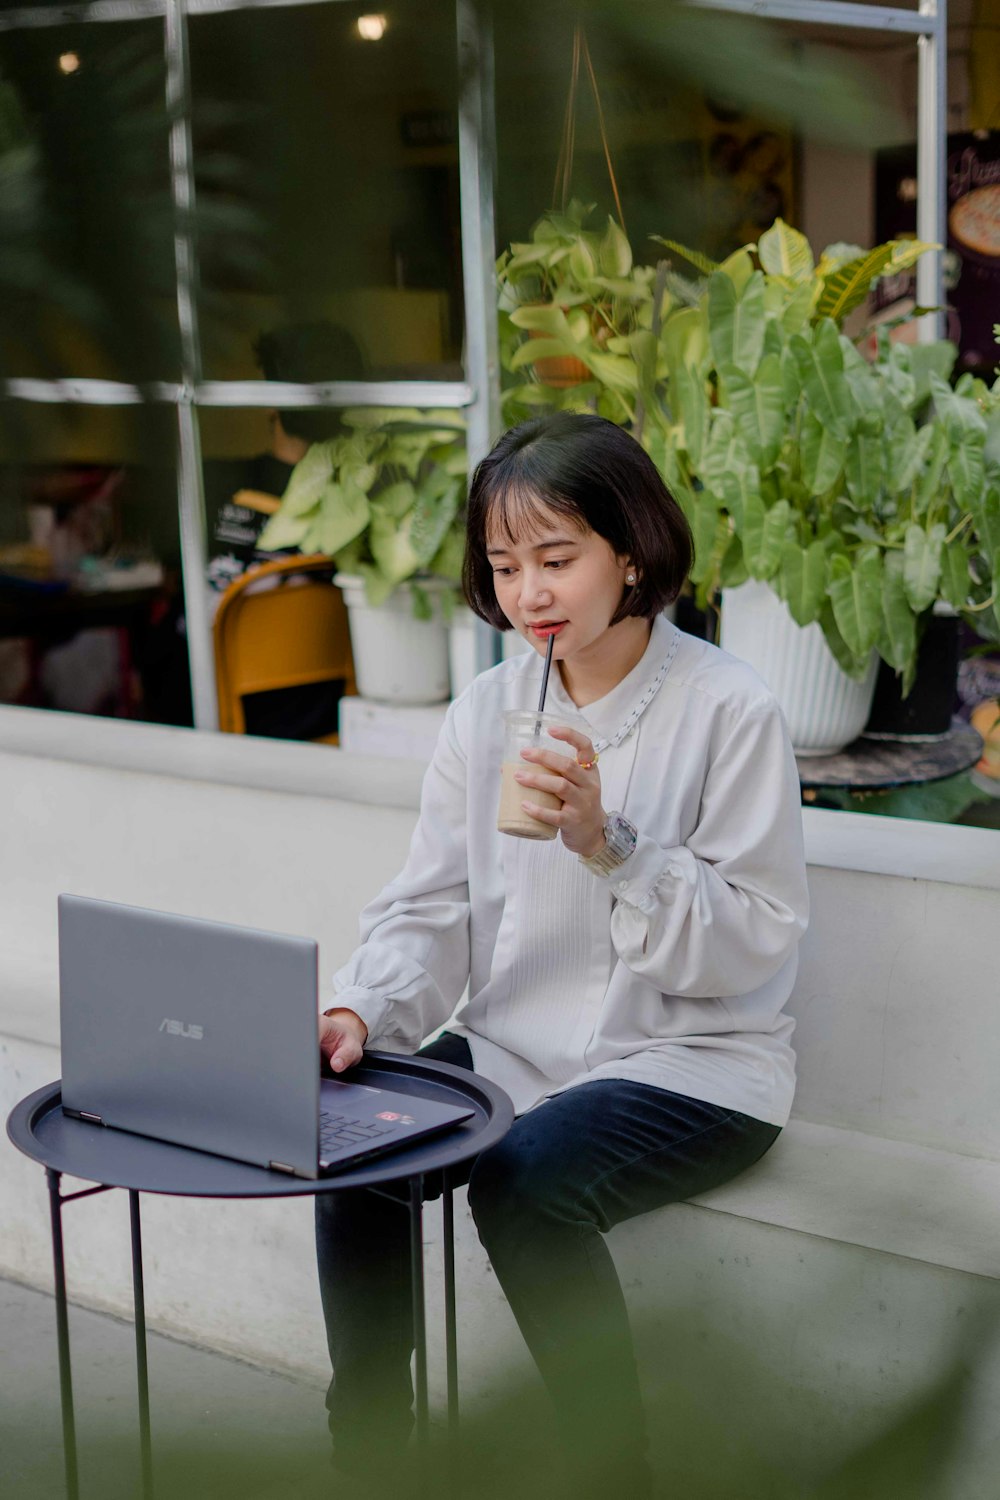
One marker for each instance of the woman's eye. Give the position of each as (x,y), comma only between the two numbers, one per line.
(557,562)
(502,572)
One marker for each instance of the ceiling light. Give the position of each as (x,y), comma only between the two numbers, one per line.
(69,62)
(371,28)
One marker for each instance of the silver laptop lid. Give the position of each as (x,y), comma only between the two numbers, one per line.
(195,1032)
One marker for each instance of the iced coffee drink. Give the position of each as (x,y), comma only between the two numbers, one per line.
(524,728)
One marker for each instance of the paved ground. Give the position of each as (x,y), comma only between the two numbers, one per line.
(220,1428)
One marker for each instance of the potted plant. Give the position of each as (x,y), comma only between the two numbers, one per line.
(811,489)
(383,500)
(575,314)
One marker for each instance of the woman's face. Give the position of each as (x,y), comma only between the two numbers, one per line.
(555,579)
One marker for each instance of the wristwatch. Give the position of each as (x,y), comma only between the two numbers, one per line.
(620,839)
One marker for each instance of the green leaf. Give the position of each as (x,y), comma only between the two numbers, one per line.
(535,349)
(582,261)
(284,531)
(987,519)
(928,483)
(615,254)
(905,453)
(612,370)
(863,470)
(736,321)
(308,480)
(922,564)
(704,526)
(967,472)
(758,404)
(422,608)
(961,415)
(764,535)
(733,568)
(737,487)
(856,598)
(725,452)
(898,641)
(344,515)
(739,267)
(791,382)
(822,454)
(783,251)
(692,409)
(377,586)
(543,318)
(684,339)
(852,665)
(798,309)
(847,285)
(396,499)
(821,369)
(693,257)
(392,547)
(803,575)
(956,580)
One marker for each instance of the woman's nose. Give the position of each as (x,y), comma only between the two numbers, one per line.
(534,590)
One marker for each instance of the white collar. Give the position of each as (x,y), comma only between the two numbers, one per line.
(616,714)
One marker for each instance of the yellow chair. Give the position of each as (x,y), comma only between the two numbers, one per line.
(285,635)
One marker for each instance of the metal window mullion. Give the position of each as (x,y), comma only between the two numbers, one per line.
(932,203)
(830,13)
(190,484)
(476,169)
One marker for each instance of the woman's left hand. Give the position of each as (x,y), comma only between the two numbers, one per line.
(581,818)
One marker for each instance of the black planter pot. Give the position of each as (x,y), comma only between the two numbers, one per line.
(928,710)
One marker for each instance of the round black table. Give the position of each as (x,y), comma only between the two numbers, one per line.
(118,1159)
(870,763)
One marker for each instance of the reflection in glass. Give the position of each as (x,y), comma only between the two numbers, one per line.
(348,150)
(91,614)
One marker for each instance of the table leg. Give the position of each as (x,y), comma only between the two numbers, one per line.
(419,1322)
(141,1368)
(62,1326)
(450,1331)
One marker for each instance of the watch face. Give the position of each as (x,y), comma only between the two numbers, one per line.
(620,834)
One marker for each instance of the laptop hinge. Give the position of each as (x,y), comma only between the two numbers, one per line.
(83,1114)
(280,1166)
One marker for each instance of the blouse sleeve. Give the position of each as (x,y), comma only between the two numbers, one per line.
(720,914)
(413,963)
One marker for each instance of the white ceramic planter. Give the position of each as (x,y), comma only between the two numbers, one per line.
(825,709)
(397,658)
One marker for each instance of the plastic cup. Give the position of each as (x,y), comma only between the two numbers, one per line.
(524,728)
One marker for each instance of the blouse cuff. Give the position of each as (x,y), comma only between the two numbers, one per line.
(643,878)
(373,1009)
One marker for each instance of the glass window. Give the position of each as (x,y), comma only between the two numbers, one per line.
(338,159)
(91,615)
(86,222)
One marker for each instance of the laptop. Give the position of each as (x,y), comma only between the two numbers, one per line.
(204,1035)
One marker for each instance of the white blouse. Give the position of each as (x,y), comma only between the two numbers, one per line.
(671,971)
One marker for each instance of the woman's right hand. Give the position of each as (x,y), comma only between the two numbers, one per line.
(342,1036)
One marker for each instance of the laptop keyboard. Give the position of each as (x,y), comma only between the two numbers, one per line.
(336,1131)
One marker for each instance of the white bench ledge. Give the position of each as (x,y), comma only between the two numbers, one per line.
(906,1200)
(200,755)
(944,852)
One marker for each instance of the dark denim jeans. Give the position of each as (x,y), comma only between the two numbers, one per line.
(542,1199)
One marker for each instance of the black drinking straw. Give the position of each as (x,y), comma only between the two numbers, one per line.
(545,681)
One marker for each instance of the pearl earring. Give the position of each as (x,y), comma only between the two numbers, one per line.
(630,578)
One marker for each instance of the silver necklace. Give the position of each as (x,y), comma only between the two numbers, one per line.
(640,708)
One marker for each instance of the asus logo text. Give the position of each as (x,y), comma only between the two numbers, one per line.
(181,1028)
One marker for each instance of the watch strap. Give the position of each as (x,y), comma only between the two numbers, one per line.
(620,839)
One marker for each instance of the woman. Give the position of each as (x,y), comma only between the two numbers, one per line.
(626,980)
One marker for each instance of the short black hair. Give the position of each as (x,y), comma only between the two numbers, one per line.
(597,475)
(309,353)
